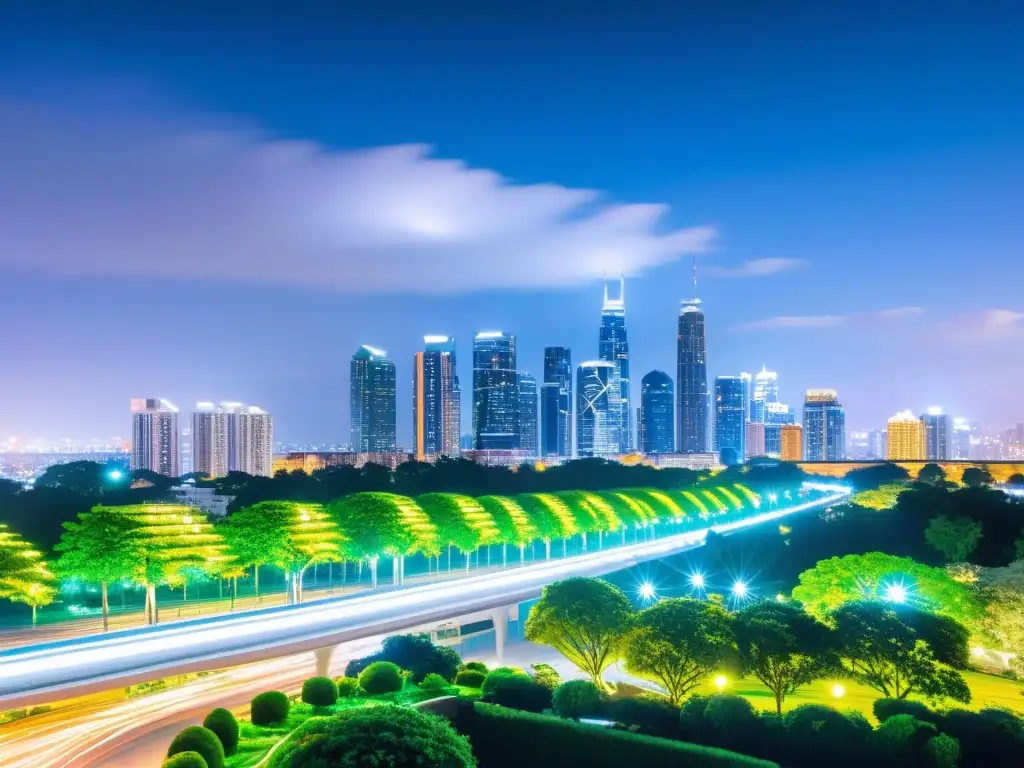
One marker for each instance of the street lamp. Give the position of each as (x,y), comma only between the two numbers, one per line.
(114,475)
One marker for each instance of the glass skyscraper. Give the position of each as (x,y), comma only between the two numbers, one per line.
(436,406)
(938,428)
(657,423)
(495,392)
(730,427)
(613,347)
(691,381)
(556,404)
(528,414)
(372,388)
(766,390)
(824,426)
(596,430)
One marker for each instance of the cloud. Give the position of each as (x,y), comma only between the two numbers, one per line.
(829,321)
(986,325)
(757,268)
(165,198)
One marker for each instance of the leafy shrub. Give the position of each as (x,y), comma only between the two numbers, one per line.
(984,739)
(223,723)
(384,735)
(348,687)
(381,677)
(902,740)
(546,675)
(813,730)
(732,723)
(886,708)
(650,715)
(691,718)
(320,692)
(269,708)
(185,760)
(497,674)
(471,678)
(434,683)
(413,653)
(476,666)
(195,738)
(578,698)
(943,751)
(517,690)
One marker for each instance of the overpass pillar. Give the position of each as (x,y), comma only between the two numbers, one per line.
(499,617)
(324,656)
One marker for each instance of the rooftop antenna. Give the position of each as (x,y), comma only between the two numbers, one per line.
(622,288)
(695,277)
(606,286)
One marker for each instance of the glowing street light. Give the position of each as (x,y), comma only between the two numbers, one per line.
(115,475)
(721,682)
(839,690)
(697,581)
(739,589)
(647,591)
(896,593)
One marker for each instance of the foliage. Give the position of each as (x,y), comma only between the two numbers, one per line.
(348,687)
(953,537)
(883,497)
(578,698)
(477,666)
(691,717)
(679,642)
(985,739)
(202,740)
(384,736)
(384,524)
(932,474)
(585,620)
(813,731)
(460,521)
(185,760)
(413,653)
(546,675)
(224,725)
(783,647)
(269,708)
(470,678)
(974,477)
(902,740)
(320,692)
(947,638)
(434,683)
(732,723)
(1003,620)
(648,714)
(883,709)
(876,476)
(286,534)
(942,751)
(381,677)
(24,576)
(517,690)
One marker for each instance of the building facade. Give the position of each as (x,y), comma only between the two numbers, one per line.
(436,399)
(692,394)
(791,442)
(596,428)
(730,429)
(824,426)
(495,392)
(528,412)
(556,404)
(255,440)
(766,390)
(755,441)
(938,428)
(373,401)
(155,438)
(906,438)
(209,440)
(657,418)
(613,347)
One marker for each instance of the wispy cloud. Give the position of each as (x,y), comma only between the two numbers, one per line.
(174,199)
(758,268)
(829,321)
(986,325)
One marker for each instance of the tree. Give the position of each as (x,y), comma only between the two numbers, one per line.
(932,474)
(679,642)
(954,537)
(874,476)
(9,488)
(24,576)
(974,477)
(885,654)
(1015,479)
(883,497)
(585,620)
(783,647)
(103,546)
(460,521)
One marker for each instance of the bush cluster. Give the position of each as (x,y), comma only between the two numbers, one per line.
(515,689)
(413,653)
(579,698)
(269,708)
(223,723)
(201,741)
(470,678)
(381,677)
(320,692)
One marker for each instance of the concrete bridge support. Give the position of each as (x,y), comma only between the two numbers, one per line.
(499,617)
(324,657)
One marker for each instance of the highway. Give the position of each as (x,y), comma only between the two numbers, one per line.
(44,673)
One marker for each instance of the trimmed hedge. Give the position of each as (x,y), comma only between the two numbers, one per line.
(578,698)
(470,678)
(223,723)
(320,692)
(511,688)
(195,738)
(647,714)
(476,666)
(348,687)
(269,708)
(541,741)
(381,677)
(433,683)
(886,708)
(185,760)
(733,723)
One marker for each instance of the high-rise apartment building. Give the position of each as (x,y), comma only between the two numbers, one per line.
(961,442)
(436,400)
(791,442)
(254,430)
(730,429)
(766,390)
(613,347)
(657,421)
(596,428)
(155,437)
(906,438)
(938,428)
(232,437)
(210,440)
(495,392)
(528,414)
(755,440)
(373,401)
(556,404)
(692,396)
(824,426)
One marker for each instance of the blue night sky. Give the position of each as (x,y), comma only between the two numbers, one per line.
(221,201)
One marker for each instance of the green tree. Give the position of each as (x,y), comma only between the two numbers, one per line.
(932,474)
(24,575)
(974,477)
(679,642)
(883,497)
(953,537)
(783,647)
(460,521)
(101,547)
(885,654)
(585,620)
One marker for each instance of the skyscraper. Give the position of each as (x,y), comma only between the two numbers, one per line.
(372,386)
(906,438)
(824,426)
(791,442)
(436,406)
(495,392)
(528,414)
(766,390)
(691,377)
(556,404)
(755,442)
(254,430)
(155,436)
(730,430)
(613,347)
(938,430)
(961,443)
(210,440)
(657,414)
(596,430)
(748,394)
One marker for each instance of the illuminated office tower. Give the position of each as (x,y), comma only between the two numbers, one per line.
(937,433)
(527,414)
(755,442)
(730,429)
(824,426)
(596,432)
(748,394)
(436,405)
(906,438)
(692,395)
(372,398)
(961,442)
(613,347)
(657,414)
(186,451)
(766,390)
(254,440)
(495,392)
(210,440)
(556,404)
(791,442)
(155,437)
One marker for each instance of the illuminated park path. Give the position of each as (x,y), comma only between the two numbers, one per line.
(43,673)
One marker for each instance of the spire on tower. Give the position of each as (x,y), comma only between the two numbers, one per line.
(622,288)
(606,286)
(695,277)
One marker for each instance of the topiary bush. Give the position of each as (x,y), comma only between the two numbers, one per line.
(470,678)
(385,735)
(650,715)
(886,708)
(813,731)
(348,687)
(942,751)
(578,698)
(546,675)
(269,708)
(433,683)
(517,690)
(320,692)
(195,738)
(497,674)
(692,726)
(381,677)
(223,723)
(413,653)
(476,666)
(902,740)
(732,723)
(185,760)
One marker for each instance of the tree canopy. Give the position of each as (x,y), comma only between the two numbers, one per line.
(24,576)
(954,537)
